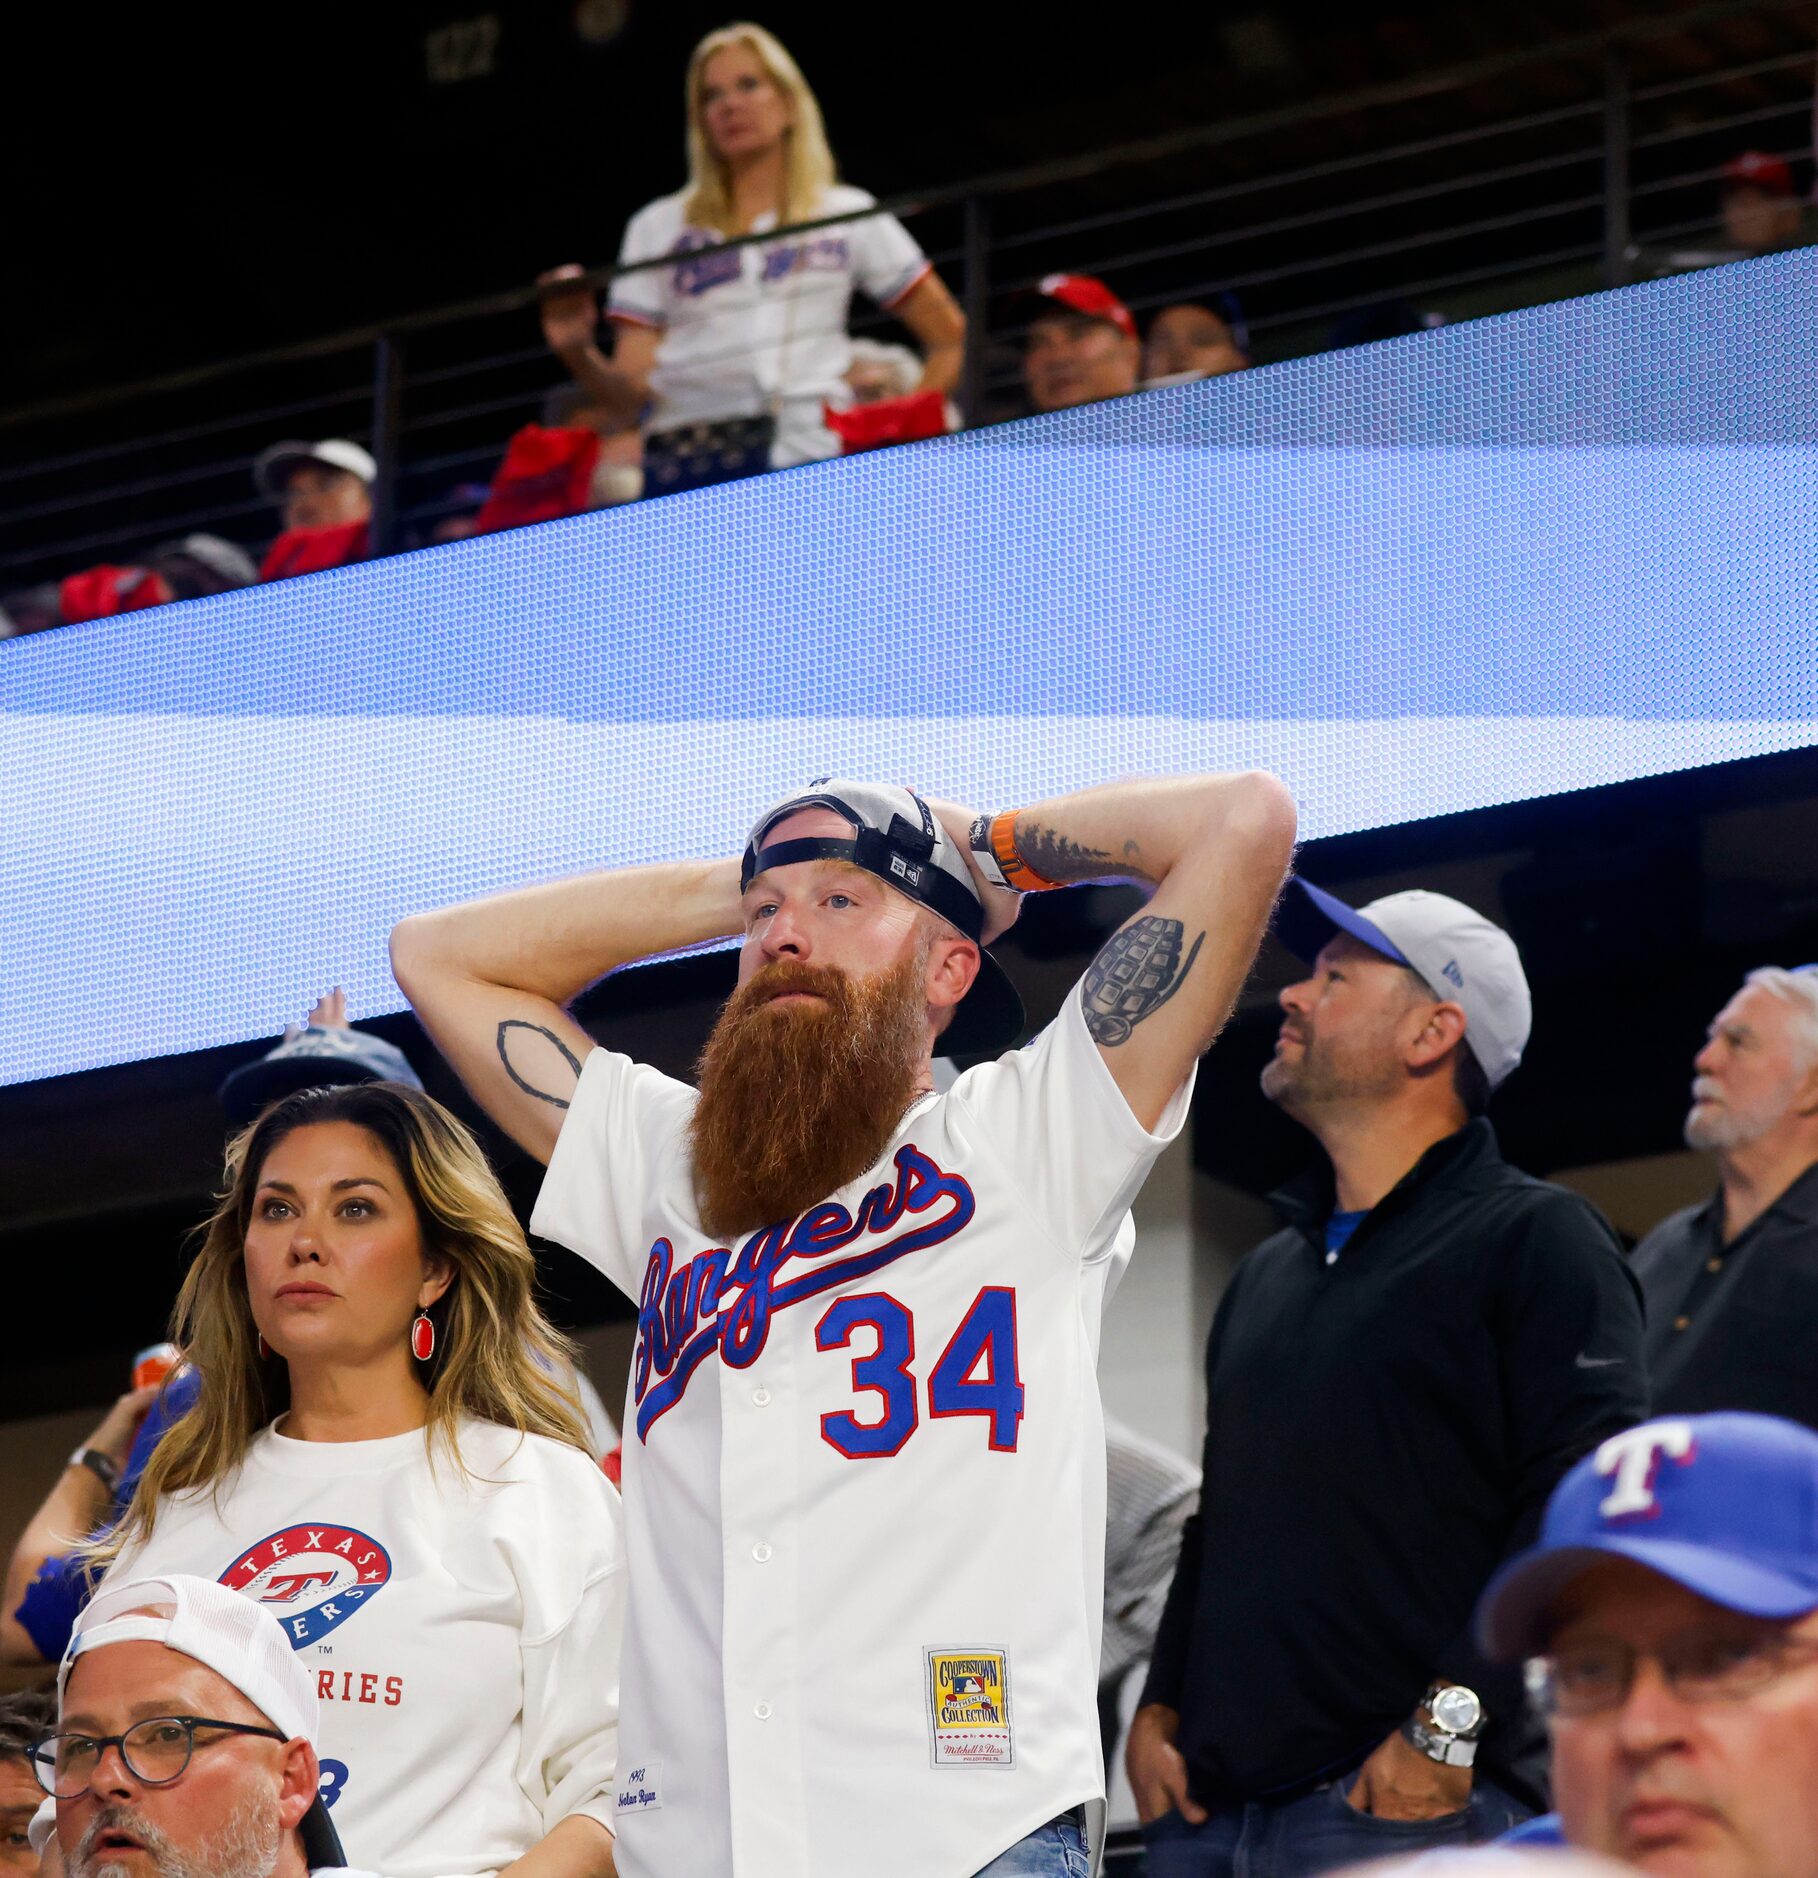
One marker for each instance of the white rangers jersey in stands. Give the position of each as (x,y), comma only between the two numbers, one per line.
(864,1473)
(760,329)
(463,1629)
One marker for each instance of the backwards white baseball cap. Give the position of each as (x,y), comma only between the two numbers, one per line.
(231,1635)
(1464,959)
(897,837)
(275,467)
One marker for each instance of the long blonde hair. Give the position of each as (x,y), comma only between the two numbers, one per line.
(498,1359)
(808,168)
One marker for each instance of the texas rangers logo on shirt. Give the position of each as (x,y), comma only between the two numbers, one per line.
(311,1578)
(719,1302)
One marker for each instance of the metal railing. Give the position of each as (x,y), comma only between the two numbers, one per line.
(1412,192)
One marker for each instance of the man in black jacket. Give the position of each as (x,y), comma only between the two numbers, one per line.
(1396,1381)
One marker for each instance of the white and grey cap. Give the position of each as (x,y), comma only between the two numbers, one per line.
(1464,959)
(228,1633)
(274,468)
(897,837)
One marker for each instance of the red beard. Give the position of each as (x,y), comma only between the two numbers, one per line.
(799,1098)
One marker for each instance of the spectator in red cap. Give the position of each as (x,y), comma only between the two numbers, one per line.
(1082,344)
(1761,209)
(1761,214)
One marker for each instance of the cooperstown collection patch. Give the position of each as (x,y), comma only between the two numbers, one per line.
(969,1708)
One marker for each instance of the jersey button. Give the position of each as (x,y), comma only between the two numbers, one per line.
(761,1552)
(762,1711)
(1682,1323)
(761,1396)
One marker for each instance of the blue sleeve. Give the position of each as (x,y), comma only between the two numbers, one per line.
(172,1403)
(52,1602)
(54,1599)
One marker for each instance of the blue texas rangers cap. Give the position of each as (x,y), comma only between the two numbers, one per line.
(1464,958)
(1726,1505)
(897,837)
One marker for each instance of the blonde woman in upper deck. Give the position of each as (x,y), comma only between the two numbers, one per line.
(736,351)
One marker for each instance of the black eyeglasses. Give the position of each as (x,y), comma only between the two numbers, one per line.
(155,1751)
(1596,1675)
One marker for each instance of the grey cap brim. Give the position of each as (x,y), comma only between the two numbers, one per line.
(1510,1613)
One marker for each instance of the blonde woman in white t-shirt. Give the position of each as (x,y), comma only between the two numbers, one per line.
(382,1456)
(732,354)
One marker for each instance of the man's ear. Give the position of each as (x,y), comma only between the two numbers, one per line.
(300,1780)
(951,971)
(1443,1027)
(1805,1093)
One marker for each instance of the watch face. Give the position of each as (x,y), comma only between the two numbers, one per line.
(1456,1710)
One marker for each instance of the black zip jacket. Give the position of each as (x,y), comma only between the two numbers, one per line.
(1382,1431)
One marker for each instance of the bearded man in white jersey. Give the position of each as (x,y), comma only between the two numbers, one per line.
(864,1461)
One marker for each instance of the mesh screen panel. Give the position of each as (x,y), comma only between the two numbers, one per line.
(1561,548)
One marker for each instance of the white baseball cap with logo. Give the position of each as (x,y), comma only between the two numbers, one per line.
(275,467)
(1464,959)
(225,1632)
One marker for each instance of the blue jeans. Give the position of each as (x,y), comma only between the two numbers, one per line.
(1315,1833)
(1056,1850)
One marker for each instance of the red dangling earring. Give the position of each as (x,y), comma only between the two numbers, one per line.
(264,1348)
(422,1338)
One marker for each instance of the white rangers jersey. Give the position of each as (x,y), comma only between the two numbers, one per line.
(864,1473)
(761,328)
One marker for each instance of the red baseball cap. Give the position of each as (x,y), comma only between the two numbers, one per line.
(1755,169)
(1083,294)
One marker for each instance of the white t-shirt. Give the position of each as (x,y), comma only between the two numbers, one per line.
(463,1631)
(760,328)
(864,1473)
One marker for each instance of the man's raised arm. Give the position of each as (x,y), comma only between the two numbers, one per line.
(1216,849)
(492,980)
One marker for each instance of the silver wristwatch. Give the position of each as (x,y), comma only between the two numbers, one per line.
(1447,1724)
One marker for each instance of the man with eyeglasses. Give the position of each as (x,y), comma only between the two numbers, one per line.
(1732,1286)
(185,1741)
(1669,1618)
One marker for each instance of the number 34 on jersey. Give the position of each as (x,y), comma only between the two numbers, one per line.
(975,1374)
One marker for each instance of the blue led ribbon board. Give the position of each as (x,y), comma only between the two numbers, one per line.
(1561,548)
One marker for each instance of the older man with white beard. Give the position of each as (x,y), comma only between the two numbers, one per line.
(185,1741)
(1732,1286)
(864,1457)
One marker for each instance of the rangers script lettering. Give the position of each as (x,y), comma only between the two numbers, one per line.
(681,1320)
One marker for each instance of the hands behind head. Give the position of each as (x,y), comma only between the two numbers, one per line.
(1001,906)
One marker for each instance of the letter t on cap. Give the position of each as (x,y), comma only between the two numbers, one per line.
(1633,1458)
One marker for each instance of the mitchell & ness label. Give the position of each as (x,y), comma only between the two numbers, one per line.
(311,1578)
(969,1708)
